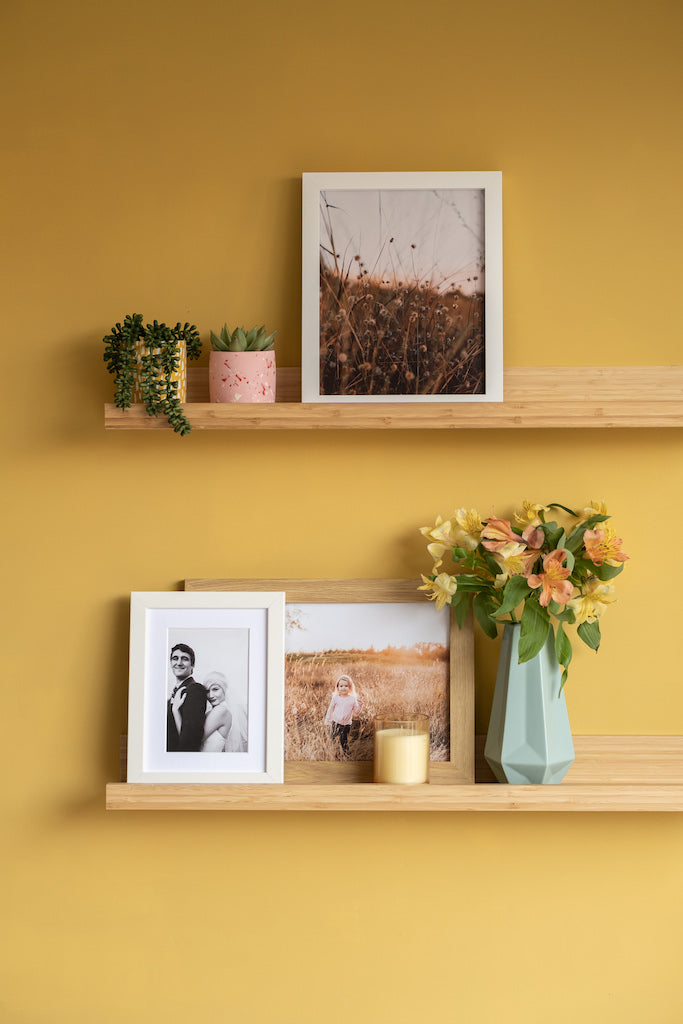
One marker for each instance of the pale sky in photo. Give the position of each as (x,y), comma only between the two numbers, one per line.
(362,626)
(445,226)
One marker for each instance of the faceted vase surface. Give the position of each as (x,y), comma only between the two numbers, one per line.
(529,740)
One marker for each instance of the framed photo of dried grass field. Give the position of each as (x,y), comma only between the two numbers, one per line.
(402,293)
(383,649)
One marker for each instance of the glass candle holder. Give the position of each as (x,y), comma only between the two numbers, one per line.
(402,749)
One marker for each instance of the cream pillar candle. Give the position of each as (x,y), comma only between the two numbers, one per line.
(402,750)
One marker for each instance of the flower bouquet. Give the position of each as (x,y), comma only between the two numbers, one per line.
(553,569)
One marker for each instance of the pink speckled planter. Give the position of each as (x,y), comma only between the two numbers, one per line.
(242,376)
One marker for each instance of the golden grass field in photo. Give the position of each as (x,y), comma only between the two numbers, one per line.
(387,682)
(381,337)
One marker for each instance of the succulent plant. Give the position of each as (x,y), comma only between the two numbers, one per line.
(155,369)
(241,340)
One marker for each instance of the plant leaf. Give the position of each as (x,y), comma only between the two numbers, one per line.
(563,652)
(515,591)
(556,504)
(606,572)
(483,607)
(590,634)
(534,631)
(460,603)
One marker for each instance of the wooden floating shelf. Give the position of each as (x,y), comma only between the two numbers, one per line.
(535,398)
(611,773)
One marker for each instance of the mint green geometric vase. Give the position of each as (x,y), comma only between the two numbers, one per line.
(529,741)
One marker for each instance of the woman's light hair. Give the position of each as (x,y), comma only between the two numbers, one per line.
(217,678)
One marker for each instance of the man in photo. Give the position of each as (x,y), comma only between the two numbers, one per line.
(186,705)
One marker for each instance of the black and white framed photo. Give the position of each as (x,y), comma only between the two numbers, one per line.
(206,693)
(402,287)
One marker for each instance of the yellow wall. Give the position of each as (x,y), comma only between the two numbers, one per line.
(152,154)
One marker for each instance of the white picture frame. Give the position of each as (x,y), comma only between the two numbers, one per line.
(402,287)
(236,647)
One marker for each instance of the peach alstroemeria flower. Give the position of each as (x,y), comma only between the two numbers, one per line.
(441,589)
(604,546)
(498,532)
(553,580)
(592,600)
(528,515)
(534,538)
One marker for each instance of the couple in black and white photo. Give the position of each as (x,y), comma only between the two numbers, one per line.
(201,717)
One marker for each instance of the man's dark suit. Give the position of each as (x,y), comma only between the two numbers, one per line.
(192,713)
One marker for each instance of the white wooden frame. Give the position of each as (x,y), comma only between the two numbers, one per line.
(153,615)
(490,183)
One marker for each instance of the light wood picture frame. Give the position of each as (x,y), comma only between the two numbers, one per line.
(459,768)
(232,650)
(402,287)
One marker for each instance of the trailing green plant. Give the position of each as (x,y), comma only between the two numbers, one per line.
(153,369)
(241,340)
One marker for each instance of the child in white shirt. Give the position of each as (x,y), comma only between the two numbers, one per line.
(343,706)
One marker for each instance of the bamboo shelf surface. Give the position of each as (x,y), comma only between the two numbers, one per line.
(611,773)
(535,397)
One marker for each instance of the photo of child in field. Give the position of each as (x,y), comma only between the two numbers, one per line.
(347,663)
(343,706)
(402,292)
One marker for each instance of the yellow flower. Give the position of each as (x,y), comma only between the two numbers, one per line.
(596,508)
(440,589)
(441,537)
(511,561)
(528,516)
(604,546)
(462,530)
(469,533)
(592,600)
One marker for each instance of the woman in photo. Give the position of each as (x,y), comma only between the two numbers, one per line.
(218,720)
(343,706)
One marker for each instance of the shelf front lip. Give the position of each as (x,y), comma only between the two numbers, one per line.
(531,415)
(535,397)
(652,797)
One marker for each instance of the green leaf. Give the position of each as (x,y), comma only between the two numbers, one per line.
(490,562)
(563,652)
(239,340)
(473,583)
(534,631)
(556,504)
(483,607)
(514,592)
(590,634)
(460,605)
(607,572)
(562,613)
